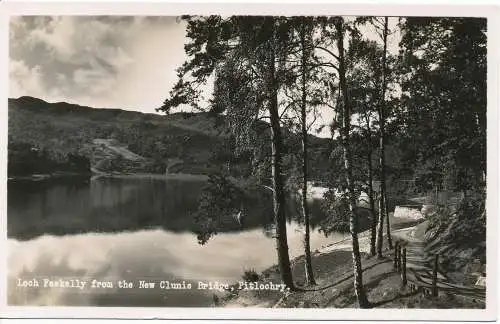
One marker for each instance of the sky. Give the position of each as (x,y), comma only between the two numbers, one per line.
(125,62)
(104,62)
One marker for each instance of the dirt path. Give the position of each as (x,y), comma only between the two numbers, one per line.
(420,267)
(119,149)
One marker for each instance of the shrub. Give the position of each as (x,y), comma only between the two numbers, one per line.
(250,275)
(466,223)
(337,208)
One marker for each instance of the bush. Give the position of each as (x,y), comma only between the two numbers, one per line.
(337,209)
(250,275)
(466,223)
(471,219)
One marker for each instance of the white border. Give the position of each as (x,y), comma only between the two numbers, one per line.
(285,8)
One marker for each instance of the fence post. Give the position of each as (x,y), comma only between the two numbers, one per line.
(403,274)
(434,276)
(396,255)
(398,265)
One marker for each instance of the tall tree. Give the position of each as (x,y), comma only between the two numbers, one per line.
(333,34)
(277,149)
(364,74)
(346,124)
(304,67)
(383,190)
(301,93)
(245,51)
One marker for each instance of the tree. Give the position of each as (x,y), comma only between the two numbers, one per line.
(363,77)
(305,26)
(346,125)
(300,104)
(437,57)
(246,54)
(383,213)
(333,32)
(441,118)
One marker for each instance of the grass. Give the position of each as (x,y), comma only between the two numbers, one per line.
(333,272)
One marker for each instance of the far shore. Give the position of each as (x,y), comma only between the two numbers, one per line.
(95,176)
(169,176)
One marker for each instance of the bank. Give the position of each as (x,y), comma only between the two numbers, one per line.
(333,272)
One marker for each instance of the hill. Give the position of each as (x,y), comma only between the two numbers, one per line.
(47,137)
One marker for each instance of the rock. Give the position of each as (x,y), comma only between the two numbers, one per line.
(407,212)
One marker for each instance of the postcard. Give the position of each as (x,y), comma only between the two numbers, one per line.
(250,161)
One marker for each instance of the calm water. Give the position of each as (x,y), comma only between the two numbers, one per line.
(131,229)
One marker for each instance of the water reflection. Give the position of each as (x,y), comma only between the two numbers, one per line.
(69,206)
(131,229)
(148,254)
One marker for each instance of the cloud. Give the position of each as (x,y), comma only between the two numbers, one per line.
(57,35)
(96,81)
(100,61)
(126,62)
(25,79)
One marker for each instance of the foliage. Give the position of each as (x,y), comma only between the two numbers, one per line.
(219,200)
(439,56)
(27,159)
(464,224)
(250,275)
(338,210)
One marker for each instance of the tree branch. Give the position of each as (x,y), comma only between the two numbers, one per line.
(328,51)
(324,64)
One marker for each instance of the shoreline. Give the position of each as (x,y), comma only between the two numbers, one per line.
(333,274)
(48,176)
(94,176)
(332,267)
(158,176)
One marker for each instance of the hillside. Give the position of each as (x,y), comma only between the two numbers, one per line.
(120,141)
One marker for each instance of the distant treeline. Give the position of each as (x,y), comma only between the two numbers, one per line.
(26,159)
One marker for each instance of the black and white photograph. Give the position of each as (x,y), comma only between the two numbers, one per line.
(248,161)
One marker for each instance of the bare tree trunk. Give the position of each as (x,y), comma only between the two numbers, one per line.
(387,223)
(278,185)
(380,224)
(357,267)
(307,241)
(372,203)
(382,205)
(305,210)
(371,197)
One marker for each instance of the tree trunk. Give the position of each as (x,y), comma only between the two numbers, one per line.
(387,223)
(381,110)
(353,221)
(305,210)
(380,223)
(278,192)
(371,198)
(372,203)
(279,199)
